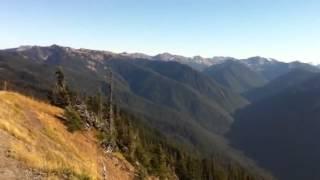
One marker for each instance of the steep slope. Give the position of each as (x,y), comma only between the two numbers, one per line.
(37,145)
(294,77)
(194,80)
(235,75)
(279,132)
(171,101)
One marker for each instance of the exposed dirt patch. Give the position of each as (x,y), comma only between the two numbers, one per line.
(117,168)
(11,169)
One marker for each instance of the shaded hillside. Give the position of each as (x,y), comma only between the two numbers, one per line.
(280,131)
(37,145)
(169,93)
(168,101)
(294,77)
(235,75)
(202,84)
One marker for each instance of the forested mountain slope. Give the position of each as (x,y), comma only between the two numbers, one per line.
(235,75)
(183,104)
(170,100)
(280,131)
(281,83)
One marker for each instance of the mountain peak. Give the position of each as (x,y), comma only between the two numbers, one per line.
(168,57)
(24,47)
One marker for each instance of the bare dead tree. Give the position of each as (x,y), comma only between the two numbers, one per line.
(5,85)
(111,118)
(100,114)
(111,115)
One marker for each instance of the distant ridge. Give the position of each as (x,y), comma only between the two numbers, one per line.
(197,62)
(235,75)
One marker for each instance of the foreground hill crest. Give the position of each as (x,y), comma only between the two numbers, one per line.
(35,144)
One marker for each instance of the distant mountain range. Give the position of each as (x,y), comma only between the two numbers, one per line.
(271,68)
(196,62)
(260,64)
(266,108)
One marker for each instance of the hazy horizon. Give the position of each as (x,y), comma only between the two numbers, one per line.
(237,58)
(284,30)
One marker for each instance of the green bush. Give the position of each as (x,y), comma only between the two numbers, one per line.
(73,119)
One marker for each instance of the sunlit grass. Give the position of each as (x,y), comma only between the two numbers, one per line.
(42,142)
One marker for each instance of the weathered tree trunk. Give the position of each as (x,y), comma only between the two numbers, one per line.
(111,115)
(5,85)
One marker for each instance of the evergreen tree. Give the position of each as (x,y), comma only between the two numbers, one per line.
(60,95)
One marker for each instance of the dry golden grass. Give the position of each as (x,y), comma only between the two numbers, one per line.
(42,142)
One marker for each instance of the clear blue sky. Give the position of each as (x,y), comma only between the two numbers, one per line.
(284,29)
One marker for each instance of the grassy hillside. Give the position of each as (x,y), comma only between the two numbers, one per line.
(38,139)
